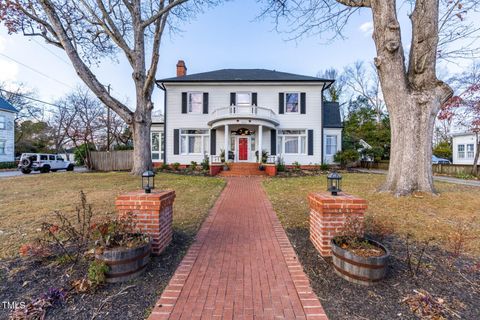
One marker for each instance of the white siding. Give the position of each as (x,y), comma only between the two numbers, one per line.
(463,140)
(267,96)
(7,135)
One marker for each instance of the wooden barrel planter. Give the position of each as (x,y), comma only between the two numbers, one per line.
(125,263)
(358,269)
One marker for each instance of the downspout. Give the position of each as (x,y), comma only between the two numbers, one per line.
(162,87)
(323,121)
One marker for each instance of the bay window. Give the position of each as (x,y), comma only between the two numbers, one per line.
(292,142)
(157,146)
(194,141)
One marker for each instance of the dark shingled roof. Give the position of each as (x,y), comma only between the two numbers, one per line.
(331,115)
(240,75)
(6,106)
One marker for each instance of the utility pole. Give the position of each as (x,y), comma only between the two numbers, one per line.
(108,123)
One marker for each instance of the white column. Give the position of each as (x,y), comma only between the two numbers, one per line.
(227,140)
(260,138)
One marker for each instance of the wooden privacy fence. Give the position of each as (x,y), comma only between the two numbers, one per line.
(447,169)
(112,160)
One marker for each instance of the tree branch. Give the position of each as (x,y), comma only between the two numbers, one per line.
(355,3)
(161,12)
(159,28)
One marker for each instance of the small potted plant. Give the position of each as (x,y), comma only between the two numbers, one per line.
(357,258)
(124,251)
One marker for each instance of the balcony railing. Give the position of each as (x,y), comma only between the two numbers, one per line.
(244,111)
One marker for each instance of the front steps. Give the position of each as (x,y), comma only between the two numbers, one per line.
(240,169)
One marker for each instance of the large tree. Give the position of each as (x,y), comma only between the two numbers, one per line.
(412,92)
(89,30)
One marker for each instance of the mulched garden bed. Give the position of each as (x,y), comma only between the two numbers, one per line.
(443,288)
(23,280)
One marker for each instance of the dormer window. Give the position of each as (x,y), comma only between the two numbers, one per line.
(244,99)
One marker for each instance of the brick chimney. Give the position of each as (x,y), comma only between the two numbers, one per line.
(181,68)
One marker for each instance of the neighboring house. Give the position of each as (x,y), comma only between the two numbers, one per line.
(464,148)
(245,111)
(7,131)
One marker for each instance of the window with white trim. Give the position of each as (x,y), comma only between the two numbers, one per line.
(2,146)
(195,102)
(292,141)
(331,145)
(461,151)
(292,102)
(157,145)
(2,122)
(194,141)
(244,99)
(470,153)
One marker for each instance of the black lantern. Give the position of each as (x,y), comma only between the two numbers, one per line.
(148,181)
(334,182)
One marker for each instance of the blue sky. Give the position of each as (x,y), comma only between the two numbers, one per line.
(227,36)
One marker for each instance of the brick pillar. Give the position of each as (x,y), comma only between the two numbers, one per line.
(328,215)
(153,214)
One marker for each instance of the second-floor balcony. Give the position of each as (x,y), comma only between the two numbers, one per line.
(244,112)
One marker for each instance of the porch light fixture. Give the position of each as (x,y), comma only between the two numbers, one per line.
(334,182)
(148,181)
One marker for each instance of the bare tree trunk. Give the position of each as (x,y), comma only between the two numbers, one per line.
(477,155)
(413,98)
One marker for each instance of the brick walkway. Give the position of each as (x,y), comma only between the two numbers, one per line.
(241,266)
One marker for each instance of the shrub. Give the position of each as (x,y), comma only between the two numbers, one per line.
(280,165)
(324,167)
(81,153)
(8,165)
(193,165)
(205,164)
(443,150)
(346,156)
(296,166)
(96,272)
(176,166)
(165,166)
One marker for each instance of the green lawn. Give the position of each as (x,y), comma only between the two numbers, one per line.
(456,208)
(27,201)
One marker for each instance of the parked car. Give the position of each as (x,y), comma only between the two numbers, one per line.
(437,160)
(43,162)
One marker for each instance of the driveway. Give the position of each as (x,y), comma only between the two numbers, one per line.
(16,173)
(474,183)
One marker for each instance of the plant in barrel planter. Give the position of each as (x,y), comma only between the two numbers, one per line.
(125,252)
(357,258)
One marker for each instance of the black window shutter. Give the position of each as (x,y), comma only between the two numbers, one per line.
(176,141)
(184,102)
(303,103)
(310,142)
(233,98)
(205,102)
(254,98)
(281,103)
(273,142)
(213,142)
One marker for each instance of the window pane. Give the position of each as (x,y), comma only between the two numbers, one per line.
(194,144)
(461,147)
(279,145)
(292,132)
(303,144)
(292,102)
(195,102)
(252,143)
(470,153)
(155,141)
(155,156)
(331,145)
(183,144)
(51,158)
(291,144)
(243,98)
(43,157)
(206,145)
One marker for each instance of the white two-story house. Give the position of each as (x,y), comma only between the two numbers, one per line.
(246,112)
(7,131)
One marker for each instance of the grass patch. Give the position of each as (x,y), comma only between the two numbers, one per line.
(27,201)
(422,216)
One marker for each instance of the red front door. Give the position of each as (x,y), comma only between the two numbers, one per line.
(243,149)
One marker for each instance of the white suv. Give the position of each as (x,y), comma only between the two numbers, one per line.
(43,162)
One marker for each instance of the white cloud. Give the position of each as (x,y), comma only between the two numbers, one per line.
(8,70)
(367,28)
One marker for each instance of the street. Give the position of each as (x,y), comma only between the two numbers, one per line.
(16,173)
